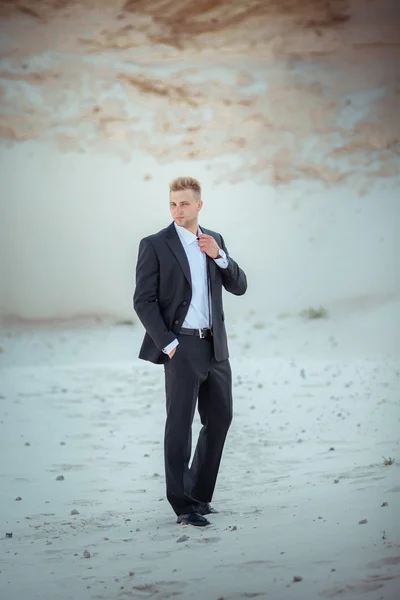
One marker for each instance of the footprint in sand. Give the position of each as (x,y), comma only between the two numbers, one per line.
(362,587)
(157,590)
(258,562)
(389,560)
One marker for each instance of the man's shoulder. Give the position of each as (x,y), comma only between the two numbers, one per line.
(214,234)
(159,235)
(166,232)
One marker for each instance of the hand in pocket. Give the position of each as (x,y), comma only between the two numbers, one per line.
(171,354)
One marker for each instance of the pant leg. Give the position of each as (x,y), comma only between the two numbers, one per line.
(184,374)
(215,409)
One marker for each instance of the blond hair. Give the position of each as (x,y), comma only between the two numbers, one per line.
(186,183)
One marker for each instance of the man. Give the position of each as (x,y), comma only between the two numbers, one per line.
(180,273)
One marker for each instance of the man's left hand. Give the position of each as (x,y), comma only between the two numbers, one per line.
(208,245)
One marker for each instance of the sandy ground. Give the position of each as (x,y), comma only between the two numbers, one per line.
(303,468)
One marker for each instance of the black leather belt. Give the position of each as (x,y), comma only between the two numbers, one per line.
(201,333)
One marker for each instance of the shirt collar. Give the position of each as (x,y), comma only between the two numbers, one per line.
(187,236)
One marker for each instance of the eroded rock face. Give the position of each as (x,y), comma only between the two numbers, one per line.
(295,89)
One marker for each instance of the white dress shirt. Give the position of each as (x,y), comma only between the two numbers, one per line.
(198,315)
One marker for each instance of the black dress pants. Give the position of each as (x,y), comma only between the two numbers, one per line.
(194,375)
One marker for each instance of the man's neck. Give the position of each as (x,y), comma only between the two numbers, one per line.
(194,230)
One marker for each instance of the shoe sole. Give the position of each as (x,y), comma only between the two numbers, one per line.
(194,524)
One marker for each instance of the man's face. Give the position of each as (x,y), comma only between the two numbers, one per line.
(184,207)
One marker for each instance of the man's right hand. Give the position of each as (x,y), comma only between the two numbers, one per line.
(171,354)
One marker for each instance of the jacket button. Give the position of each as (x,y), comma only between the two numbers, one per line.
(184,304)
(176,322)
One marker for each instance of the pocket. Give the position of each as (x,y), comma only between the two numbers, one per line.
(175,353)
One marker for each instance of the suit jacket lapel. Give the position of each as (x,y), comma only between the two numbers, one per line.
(175,244)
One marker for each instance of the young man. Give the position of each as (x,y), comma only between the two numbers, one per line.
(180,273)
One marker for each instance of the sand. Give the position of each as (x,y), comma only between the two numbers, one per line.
(303,490)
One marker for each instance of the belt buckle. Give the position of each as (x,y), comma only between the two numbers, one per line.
(201,334)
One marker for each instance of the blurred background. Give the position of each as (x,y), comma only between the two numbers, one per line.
(287,113)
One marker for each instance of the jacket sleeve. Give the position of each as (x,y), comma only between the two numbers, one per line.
(145,297)
(234,278)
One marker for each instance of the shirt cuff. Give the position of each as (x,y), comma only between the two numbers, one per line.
(222,263)
(168,349)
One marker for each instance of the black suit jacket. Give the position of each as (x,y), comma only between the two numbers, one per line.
(163,292)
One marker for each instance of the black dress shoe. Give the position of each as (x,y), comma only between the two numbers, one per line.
(192,519)
(206,509)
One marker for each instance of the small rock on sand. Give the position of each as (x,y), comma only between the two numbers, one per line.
(86,554)
(183,538)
